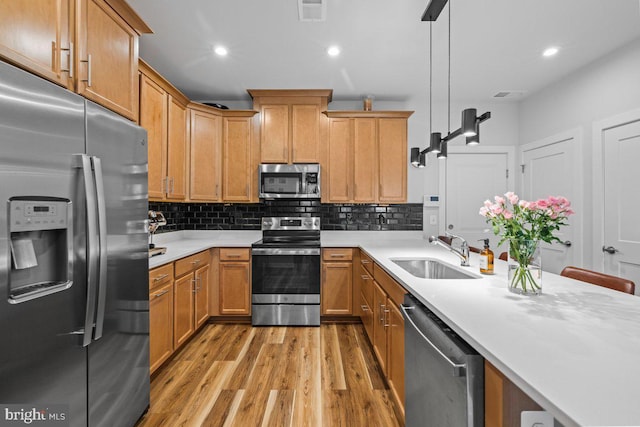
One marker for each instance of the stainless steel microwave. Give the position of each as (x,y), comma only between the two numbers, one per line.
(299,181)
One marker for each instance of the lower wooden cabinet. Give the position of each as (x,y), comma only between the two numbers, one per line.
(366,298)
(201,295)
(503,400)
(160,315)
(380,299)
(395,352)
(380,311)
(234,282)
(337,282)
(183,325)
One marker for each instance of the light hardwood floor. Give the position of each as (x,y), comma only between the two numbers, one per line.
(238,375)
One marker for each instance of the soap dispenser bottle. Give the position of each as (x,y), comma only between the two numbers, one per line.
(486,258)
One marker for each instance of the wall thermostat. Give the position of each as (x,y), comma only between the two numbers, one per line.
(431,201)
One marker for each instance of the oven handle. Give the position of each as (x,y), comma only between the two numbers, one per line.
(287,251)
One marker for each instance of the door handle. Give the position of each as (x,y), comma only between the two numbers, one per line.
(92,247)
(567,243)
(609,249)
(88,79)
(102,254)
(458,369)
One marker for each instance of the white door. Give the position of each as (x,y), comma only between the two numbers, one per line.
(621,161)
(549,169)
(471,178)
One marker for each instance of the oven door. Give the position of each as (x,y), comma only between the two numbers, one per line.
(289,275)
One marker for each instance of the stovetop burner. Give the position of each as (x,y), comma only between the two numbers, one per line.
(280,232)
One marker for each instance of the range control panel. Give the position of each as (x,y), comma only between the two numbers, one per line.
(33,215)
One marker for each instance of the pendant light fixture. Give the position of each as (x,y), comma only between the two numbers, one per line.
(470,122)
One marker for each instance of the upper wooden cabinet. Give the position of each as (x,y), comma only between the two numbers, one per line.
(290,127)
(90,46)
(237,176)
(392,164)
(378,173)
(37,36)
(107,58)
(205,155)
(221,154)
(163,113)
(177,149)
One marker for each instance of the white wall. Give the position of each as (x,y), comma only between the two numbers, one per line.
(605,88)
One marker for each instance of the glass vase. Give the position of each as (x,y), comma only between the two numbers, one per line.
(524,267)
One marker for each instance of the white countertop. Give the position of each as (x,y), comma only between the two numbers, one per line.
(180,244)
(575,349)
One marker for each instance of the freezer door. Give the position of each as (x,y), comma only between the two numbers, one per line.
(119,355)
(42,361)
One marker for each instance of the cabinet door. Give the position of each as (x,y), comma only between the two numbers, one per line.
(107,61)
(202,295)
(339,161)
(366,315)
(205,155)
(379,325)
(183,309)
(305,133)
(395,369)
(274,134)
(236,139)
(365,172)
(177,150)
(160,325)
(153,117)
(337,288)
(235,288)
(392,145)
(35,36)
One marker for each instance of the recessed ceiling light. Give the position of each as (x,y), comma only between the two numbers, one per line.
(550,51)
(333,51)
(220,50)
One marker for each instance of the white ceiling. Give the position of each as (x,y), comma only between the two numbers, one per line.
(496,45)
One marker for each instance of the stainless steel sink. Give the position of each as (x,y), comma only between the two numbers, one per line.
(430,268)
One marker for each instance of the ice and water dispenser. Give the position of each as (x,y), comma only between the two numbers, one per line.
(41,243)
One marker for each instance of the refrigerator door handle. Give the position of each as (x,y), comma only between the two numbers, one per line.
(92,246)
(102,234)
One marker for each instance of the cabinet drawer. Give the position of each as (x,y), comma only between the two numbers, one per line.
(390,286)
(235,254)
(366,261)
(160,276)
(190,263)
(337,254)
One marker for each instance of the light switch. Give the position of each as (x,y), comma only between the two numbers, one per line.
(433,220)
(536,419)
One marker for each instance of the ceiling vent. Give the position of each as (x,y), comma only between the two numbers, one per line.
(509,94)
(312,10)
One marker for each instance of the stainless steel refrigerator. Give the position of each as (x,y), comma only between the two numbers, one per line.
(74,312)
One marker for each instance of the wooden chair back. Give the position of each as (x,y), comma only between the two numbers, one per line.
(600,279)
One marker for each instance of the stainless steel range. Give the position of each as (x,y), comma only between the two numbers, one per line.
(285,271)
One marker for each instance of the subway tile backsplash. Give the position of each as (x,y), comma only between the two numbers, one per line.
(246,216)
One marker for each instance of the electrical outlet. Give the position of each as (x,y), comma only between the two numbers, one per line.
(536,419)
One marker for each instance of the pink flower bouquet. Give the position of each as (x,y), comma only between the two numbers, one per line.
(524,224)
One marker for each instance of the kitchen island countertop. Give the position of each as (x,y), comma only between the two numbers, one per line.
(574,349)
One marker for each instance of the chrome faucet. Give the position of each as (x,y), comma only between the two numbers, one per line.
(463,253)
